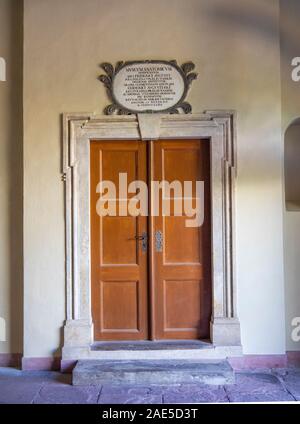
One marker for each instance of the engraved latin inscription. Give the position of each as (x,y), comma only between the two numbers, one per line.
(148,86)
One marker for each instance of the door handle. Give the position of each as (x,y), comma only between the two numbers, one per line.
(144,239)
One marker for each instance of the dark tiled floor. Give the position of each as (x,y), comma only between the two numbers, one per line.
(51,387)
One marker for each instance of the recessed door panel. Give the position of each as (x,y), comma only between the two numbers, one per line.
(177,295)
(176,252)
(120,306)
(118,245)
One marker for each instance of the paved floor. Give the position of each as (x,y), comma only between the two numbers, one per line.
(51,387)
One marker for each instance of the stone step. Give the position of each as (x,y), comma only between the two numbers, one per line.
(98,372)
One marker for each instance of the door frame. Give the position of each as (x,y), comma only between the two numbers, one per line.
(79,129)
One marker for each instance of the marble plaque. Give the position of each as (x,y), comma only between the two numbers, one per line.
(148,86)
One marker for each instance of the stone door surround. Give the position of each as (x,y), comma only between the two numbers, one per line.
(78,130)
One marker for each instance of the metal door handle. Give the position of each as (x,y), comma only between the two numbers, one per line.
(144,239)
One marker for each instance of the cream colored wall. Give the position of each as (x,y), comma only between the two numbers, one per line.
(11,176)
(235,46)
(290,48)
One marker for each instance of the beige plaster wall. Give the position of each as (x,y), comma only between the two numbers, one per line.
(11,176)
(235,46)
(290,48)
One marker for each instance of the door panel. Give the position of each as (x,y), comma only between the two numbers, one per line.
(119,304)
(175,230)
(118,245)
(119,266)
(181,270)
(187,292)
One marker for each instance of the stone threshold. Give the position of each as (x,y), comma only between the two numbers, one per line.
(146,345)
(198,350)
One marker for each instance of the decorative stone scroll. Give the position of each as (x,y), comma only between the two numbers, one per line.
(150,86)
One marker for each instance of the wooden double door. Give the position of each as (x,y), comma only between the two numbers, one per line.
(151,275)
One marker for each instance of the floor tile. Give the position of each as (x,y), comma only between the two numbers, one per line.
(130,399)
(131,390)
(257,387)
(12,392)
(195,394)
(292,382)
(67,394)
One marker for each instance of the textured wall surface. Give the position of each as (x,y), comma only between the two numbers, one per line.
(11,17)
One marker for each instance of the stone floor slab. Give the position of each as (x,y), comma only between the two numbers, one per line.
(255,381)
(131,390)
(291,381)
(12,392)
(136,398)
(257,387)
(277,396)
(195,394)
(67,394)
(7,374)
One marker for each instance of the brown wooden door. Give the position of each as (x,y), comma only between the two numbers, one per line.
(119,265)
(181,288)
(162,293)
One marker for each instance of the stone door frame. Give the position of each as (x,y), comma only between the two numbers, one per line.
(78,129)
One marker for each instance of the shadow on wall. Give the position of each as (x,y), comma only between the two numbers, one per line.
(15,157)
(263,22)
(291,166)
